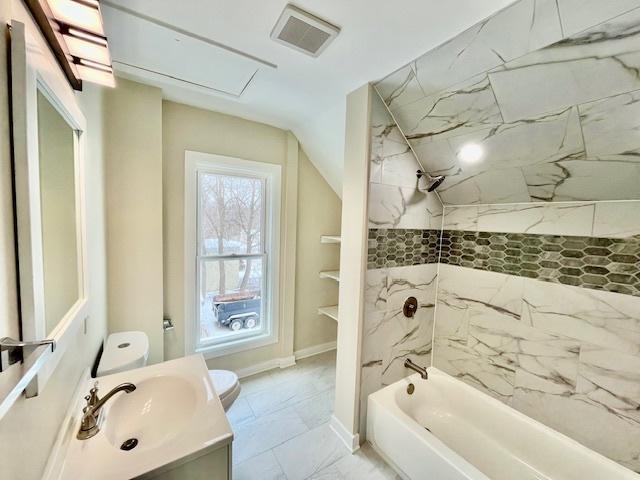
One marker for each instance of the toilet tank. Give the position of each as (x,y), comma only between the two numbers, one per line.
(123,351)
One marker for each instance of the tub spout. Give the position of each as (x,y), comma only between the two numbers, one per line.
(422,371)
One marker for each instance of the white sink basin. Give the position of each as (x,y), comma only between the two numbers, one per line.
(173,414)
(156,411)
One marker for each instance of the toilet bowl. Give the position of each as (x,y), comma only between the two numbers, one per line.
(227,386)
(128,350)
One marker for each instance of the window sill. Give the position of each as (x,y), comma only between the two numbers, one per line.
(228,348)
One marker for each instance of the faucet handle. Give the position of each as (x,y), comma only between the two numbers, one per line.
(92,398)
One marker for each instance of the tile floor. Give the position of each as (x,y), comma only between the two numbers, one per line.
(281,426)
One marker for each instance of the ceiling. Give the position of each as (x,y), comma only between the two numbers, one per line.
(548,93)
(233,66)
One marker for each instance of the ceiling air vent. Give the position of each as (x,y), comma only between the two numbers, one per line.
(303,31)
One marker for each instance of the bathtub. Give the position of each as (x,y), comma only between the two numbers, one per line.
(447,430)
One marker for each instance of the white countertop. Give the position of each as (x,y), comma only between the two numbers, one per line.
(177,417)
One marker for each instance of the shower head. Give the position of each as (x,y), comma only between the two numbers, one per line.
(434,182)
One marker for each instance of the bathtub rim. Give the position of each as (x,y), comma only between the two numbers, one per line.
(385,398)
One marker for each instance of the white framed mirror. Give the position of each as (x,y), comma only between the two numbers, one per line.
(48,155)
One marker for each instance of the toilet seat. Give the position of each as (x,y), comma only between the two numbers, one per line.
(227,386)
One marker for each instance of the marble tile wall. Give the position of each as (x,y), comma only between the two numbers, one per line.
(572,137)
(564,355)
(404,227)
(397,199)
(388,336)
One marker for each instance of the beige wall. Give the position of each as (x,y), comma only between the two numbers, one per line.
(188,128)
(133,159)
(32,425)
(319,212)
(29,429)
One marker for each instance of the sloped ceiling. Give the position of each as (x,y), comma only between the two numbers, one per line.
(550,90)
(303,94)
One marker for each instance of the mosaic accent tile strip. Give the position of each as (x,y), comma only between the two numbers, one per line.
(611,264)
(402,247)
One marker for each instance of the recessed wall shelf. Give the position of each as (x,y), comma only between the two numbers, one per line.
(331,312)
(332,274)
(330,239)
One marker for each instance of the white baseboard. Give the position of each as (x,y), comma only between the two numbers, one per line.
(285,362)
(352,441)
(314,350)
(258,368)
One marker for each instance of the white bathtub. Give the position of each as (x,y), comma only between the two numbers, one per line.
(473,436)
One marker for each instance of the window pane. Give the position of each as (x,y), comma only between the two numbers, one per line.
(230,298)
(230,214)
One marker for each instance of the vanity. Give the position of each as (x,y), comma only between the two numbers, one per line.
(172,426)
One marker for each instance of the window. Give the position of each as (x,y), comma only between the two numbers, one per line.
(232,233)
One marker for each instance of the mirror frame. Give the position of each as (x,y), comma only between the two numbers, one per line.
(33,70)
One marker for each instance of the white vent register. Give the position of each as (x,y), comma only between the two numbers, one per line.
(303,31)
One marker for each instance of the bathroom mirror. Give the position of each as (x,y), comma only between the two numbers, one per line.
(48,148)
(57,153)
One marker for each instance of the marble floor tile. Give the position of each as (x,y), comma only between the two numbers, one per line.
(297,442)
(365,464)
(263,467)
(256,383)
(288,394)
(304,456)
(266,432)
(316,410)
(240,412)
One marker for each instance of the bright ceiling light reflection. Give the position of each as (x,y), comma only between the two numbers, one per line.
(471,153)
(79,13)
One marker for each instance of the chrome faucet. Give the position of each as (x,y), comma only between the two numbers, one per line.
(422,371)
(89,424)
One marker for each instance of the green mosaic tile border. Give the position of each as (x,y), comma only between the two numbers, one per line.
(402,247)
(610,264)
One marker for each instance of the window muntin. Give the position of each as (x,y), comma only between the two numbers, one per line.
(232,258)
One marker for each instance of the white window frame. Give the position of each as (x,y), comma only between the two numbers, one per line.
(195,164)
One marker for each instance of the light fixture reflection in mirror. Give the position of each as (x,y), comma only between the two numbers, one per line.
(471,153)
(56,157)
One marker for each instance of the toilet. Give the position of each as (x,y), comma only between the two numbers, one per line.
(227,386)
(123,351)
(128,350)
